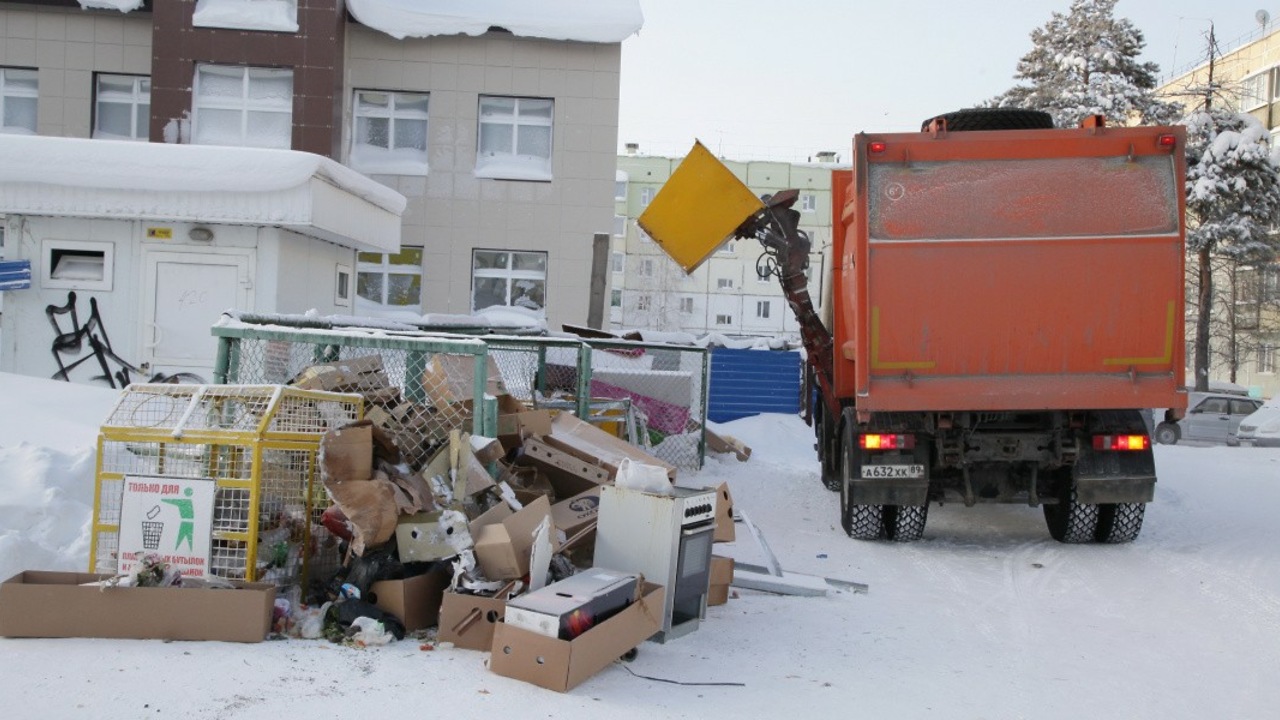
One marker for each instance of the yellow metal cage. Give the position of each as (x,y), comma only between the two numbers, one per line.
(259,444)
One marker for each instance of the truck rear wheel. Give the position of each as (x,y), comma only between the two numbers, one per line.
(905,523)
(1070,521)
(993,119)
(861,522)
(1120,523)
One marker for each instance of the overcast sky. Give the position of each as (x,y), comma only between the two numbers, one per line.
(763,79)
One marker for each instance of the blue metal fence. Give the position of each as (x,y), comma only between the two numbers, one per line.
(749,382)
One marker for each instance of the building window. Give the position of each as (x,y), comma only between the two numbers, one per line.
(1253,90)
(1267,359)
(620,187)
(646,267)
(244,106)
(18,94)
(762,308)
(619,262)
(390,133)
(644,236)
(686,305)
(502,278)
(724,283)
(728,248)
(642,303)
(808,202)
(646,195)
(342,286)
(122,107)
(391,281)
(77,265)
(724,319)
(268,15)
(615,298)
(619,225)
(763,273)
(515,138)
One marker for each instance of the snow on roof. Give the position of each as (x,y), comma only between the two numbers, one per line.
(121,5)
(602,21)
(116,178)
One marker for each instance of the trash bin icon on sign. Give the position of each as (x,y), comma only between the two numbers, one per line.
(152,530)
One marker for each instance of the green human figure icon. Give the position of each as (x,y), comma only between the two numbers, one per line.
(186,510)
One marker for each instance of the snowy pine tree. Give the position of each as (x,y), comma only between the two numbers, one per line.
(1085,63)
(1233,201)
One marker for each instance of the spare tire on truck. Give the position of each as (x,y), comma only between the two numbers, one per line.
(993,119)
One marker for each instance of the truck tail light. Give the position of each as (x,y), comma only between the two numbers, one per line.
(1166,141)
(877,146)
(1121,442)
(877,441)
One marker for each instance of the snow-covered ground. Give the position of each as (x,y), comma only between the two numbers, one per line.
(985,618)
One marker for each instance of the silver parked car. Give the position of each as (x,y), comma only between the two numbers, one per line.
(1211,417)
(1263,427)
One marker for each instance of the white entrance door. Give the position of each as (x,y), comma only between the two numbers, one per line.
(185,295)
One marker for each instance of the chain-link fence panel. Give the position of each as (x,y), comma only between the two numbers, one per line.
(537,371)
(662,389)
(417,386)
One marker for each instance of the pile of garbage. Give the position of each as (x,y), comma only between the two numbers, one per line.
(438,529)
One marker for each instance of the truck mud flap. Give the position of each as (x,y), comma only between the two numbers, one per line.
(914,491)
(1115,477)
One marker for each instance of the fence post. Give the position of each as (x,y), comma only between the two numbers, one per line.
(584,382)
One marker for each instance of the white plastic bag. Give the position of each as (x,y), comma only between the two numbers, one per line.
(650,479)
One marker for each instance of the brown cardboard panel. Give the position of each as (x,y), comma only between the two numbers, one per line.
(59,604)
(347,452)
(468,621)
(515,427)
(450,379)
(502,546)
(416,600)
(725,531)
(721,570)
(561,665)
(596,446)
(568,474)
(728,444)
(717,595)
(420,538)
(486,450)
(478,478)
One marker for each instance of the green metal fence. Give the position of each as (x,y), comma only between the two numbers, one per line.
(423,385)
(652,394)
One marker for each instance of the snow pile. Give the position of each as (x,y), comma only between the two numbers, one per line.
(161,167)
(123,6)
(601,21)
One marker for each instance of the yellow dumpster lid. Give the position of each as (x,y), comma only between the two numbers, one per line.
(698,208)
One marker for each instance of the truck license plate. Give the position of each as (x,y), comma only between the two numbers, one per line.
(892,471)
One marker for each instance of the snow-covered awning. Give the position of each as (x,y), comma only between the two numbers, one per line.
(601,21)
(306,193)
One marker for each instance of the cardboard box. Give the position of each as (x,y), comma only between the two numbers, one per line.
(468,621)
(568,474)
(487,450)
(721,570)
(416,600)
(450,379)
(590,443)
(561,665)
(60,604)
(514,428)
(725,531)
(577,512)
(504,540)
(721,579)
(728,444)
(420,538)
(353,374)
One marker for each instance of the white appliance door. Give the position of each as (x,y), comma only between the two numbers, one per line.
(186,294)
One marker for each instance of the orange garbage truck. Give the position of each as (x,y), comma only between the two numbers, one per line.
(1007,302)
